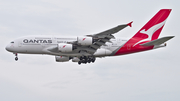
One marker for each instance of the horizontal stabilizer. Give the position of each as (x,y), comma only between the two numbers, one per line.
(157,41)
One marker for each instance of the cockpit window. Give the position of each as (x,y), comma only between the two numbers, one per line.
(12,42)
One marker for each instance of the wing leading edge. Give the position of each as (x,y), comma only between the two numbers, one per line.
(111,31)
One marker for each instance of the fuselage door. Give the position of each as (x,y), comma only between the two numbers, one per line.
(20,44)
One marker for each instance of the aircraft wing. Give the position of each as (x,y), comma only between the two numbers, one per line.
(98,40)
(111,31)
(103,37)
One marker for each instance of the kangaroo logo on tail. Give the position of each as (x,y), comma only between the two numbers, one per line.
(150,32)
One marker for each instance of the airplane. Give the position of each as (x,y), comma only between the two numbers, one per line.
(85,49)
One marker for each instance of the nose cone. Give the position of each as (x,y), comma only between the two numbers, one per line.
(8,48)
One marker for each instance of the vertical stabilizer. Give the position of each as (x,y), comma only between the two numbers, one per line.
(150,31)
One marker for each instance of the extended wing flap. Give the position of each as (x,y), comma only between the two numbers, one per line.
(157,41)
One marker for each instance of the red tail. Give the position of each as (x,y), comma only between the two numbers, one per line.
(150,31)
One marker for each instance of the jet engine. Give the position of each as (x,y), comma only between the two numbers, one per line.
(63,47)
(61,58)
(85,41)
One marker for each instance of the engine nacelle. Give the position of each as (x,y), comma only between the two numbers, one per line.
(85,41)
(75,59)
(63,47)
(102,52)
(61,58)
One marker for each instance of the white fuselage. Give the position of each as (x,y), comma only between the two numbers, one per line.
(41,44)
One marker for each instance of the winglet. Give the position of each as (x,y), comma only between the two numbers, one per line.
(130,24)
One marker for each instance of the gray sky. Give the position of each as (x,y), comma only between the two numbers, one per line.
(147,76)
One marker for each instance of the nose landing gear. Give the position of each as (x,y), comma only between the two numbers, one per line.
(16,58)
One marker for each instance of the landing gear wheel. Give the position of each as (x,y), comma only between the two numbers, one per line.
(79,62)
(16,58)
(93,60)
(86,59)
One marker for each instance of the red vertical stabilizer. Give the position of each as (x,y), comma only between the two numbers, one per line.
(150,31)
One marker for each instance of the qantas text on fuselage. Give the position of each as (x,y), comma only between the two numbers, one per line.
(37,41)
(85,49)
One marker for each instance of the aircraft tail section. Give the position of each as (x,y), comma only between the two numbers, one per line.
(149,32)
(152,29)
(157,41)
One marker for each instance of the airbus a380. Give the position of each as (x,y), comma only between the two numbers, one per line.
(85,49)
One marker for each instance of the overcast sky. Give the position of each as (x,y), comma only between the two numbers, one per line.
(147,76)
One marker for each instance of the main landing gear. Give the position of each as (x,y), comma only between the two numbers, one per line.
(16,58)
(84,59)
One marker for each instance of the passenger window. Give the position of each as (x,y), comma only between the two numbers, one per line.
(12,42)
